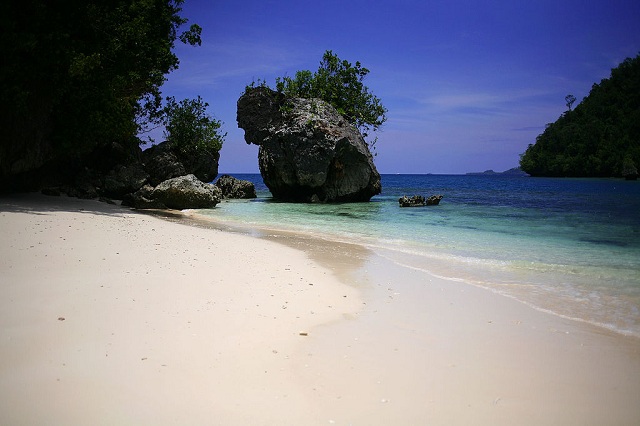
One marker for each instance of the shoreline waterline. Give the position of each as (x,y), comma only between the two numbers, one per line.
(441,329)
(441,266)
(566,246)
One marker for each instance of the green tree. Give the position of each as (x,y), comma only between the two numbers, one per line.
(339,83)
(600,137)
(81,74)
(569,99)
(189,128)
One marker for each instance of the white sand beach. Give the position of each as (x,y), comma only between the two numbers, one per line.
(112,316)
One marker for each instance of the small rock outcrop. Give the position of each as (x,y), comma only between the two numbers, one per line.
(163,161)
(142,199)
(308,152)
(235,188)
(186,192)
(123,180)
(183,192)
(419,201)
(203,164)
(434,200)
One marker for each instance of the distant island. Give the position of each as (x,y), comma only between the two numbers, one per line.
(516,171)
(598,138)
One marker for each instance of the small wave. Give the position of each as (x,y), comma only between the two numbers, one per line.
(585,305)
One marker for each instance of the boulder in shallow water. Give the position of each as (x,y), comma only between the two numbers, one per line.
(434,200)
(308,152)
(235,188)
(419,201)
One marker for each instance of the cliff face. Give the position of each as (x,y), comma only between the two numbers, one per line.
(26,147)
(308,152)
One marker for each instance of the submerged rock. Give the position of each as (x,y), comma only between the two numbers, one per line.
(308,152)
(419,201)
(434,200)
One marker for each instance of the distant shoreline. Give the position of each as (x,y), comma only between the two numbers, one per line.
(516,171)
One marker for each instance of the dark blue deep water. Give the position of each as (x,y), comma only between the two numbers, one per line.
(567,246)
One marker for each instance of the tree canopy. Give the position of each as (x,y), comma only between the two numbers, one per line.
(189,128)
(339,83)
(598,138)
(78,74)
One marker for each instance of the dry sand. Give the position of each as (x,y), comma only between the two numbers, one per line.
(109,316)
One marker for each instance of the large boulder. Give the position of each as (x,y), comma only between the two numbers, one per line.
(308,152)
(163,161)
(123,180)
(142,199)
(186,192)
(202,163)
(235,188)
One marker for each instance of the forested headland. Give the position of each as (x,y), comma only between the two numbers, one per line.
(600,137)
(81,80)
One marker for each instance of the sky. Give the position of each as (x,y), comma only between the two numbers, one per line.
(468,84)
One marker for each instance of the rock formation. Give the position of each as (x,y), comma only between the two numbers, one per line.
(163,162)
(419,201)
(308,152)
(142,199)
(186,192)
(132,175)
(183,192)
(434,200)
(235,188)
(123,180)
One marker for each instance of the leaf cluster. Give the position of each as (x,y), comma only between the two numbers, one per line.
(598,138)
(80,73)
(339,83)
(189,128)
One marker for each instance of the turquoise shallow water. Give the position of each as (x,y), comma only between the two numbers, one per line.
(567,246)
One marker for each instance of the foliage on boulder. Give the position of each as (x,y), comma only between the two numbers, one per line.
(339,83)
(189,128)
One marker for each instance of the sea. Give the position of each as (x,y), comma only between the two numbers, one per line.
(570,247)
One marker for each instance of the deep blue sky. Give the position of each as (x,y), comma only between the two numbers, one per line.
(468,84)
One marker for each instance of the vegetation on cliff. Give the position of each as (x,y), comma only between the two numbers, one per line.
(600,137)
(339,83)
(189,128)
(81,77)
